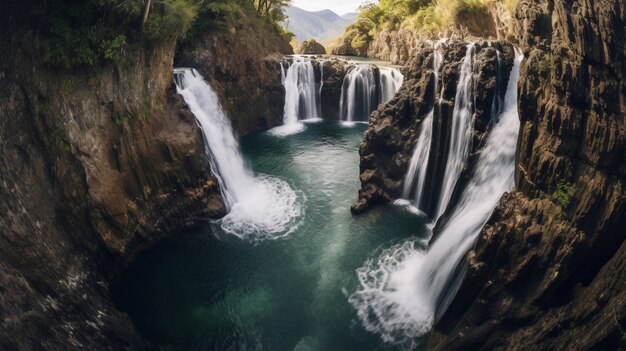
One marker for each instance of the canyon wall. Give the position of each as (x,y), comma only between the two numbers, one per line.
(548,269)
(96,166)
(391,137)
(244,69)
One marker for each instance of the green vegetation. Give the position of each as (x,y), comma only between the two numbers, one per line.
(427,16)
(78,34)
(617,188)
(540,65)
(564,193)
(229,15)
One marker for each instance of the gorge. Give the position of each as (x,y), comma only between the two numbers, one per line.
(174,184)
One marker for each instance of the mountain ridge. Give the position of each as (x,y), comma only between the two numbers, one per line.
(320,25)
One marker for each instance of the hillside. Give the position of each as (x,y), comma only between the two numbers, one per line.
(320,25)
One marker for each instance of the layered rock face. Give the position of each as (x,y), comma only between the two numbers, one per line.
(549,269)
(244,70)
(390,140)
(398,46)
(95,166)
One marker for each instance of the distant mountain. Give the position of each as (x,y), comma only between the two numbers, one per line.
(350,17)
(320,25)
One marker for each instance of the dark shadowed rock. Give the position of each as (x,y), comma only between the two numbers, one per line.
(390,140)
(96,166)
(244,69)
(548,270)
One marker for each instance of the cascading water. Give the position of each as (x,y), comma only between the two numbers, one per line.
(498,103)
(416,175)
(259,207)
(364,88)
(302,97)
(358,94)
(461,132)
(390,82)
(407,288)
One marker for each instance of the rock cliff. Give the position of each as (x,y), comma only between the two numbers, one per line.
(392,135)
(95,167)
(548,269)
(243,68)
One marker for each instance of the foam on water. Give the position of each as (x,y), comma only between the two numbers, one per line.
(271,210)
(407,287)
(261,207)
(287,129)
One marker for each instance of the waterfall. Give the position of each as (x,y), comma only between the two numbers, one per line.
(302,97)
(416,176)
(498,103)
(259,207)
(390,82)
(364,88)
(408,287)
(461,132)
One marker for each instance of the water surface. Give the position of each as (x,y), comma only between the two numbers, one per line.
(208,290)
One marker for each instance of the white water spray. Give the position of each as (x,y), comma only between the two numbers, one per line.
(259,208)
(302,97)
(461,132)
(416,176)
(407,288)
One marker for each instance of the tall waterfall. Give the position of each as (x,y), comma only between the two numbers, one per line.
(302,96)
(364,88)
(259,207)
(461,132)
(415,179)
(408,287)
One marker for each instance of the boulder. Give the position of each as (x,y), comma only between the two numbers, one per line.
(311,47)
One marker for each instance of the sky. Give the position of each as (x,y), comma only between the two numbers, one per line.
(338,6)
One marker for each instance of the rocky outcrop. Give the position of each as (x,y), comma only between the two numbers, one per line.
(334,73)
(548,269)
(398,46)
(391,138)
(243,68)
(95,166)
(345,47)
(311,47)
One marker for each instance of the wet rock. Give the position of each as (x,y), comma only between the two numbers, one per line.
(95,167)
(548,269)
(391,137)
(244,69)
(334,73)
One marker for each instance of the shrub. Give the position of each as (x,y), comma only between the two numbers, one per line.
(511,5)
(564,193)
(114,49)
(617,188)
(170,18)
